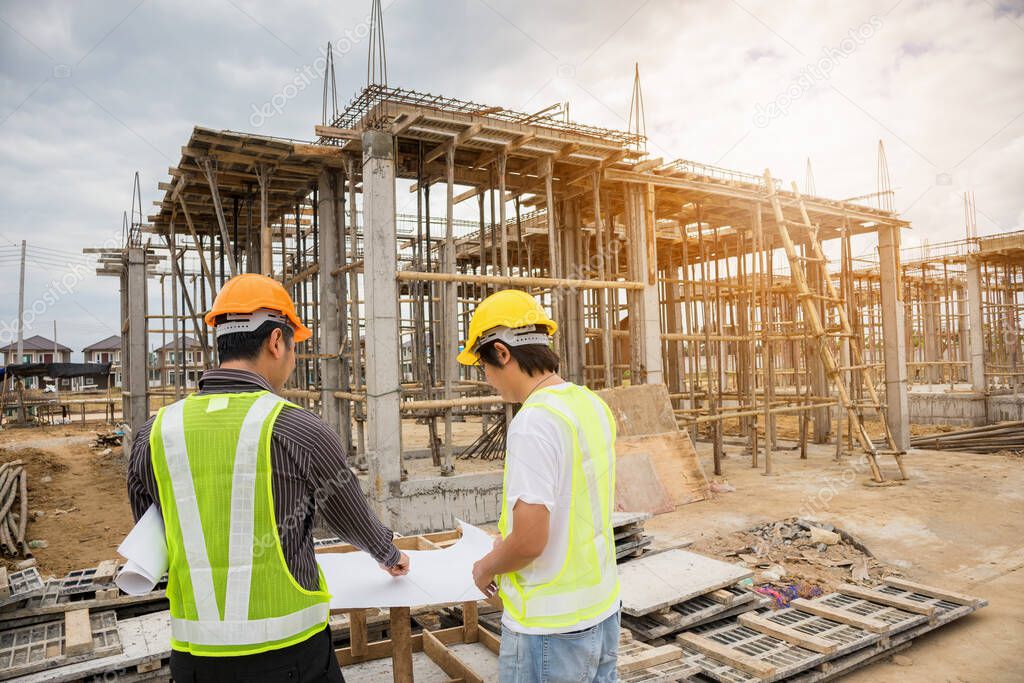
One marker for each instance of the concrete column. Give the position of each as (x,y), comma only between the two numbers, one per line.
(963,337)
(650,320)
(894,342)
(976,344)
(134,345)
(384,432)
(932,335)
(330,306)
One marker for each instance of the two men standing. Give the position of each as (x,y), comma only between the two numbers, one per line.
(238,474)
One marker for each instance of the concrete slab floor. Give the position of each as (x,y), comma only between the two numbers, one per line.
(957,523)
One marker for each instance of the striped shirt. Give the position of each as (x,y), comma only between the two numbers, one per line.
(306,458)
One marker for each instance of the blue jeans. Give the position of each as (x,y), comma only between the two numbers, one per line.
(588,656)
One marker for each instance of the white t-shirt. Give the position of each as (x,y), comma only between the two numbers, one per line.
(538,463)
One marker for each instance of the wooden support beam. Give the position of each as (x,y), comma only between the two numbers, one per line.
(401,644)
(336,133)
(454,143)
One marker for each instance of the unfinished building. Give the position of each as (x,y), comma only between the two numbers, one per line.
(738,293)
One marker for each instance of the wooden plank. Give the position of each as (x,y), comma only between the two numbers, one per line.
(5,584)
(357,634)
(470,622)
(664,579)
(726,654)
(958,598)
(105,572)
(884,599)
(651,657)
(77,632)
(447,660)
(491,641)
(841,616)
(674,459)
(638,487)
(401,644)
(790,635)
(640,410)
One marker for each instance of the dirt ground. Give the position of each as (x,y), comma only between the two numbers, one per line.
(957,523)
(85,503)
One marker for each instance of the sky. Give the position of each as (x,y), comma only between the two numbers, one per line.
(91,93)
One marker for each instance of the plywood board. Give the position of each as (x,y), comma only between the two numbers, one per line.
(640,410)
(653,582)
(674,460)
(637,486)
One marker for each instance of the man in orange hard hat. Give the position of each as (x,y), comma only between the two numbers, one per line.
(238,474)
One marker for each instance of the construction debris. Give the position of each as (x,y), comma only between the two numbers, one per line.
(792,551)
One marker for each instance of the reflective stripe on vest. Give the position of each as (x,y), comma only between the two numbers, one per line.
(587,583)
(292,614)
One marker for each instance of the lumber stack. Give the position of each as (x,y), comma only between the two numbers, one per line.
(1003,436)
(630,539)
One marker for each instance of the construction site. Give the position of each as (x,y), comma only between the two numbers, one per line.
(819,469)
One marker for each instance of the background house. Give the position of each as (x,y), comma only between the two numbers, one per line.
(38,349)
(168,363)
(106,351)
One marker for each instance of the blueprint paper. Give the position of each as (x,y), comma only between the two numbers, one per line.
(145,549)
(355,580)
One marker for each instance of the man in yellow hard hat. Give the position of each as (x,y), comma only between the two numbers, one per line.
(554,565)
(239,474)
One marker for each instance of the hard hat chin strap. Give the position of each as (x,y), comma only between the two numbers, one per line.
(249,322)
(513,336)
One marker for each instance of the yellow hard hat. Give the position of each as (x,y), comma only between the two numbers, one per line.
(509,309)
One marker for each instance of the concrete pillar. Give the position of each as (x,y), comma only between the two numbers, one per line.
(328,220)
(820,384)
(647,262)
(963,337)
(932,331)
(894,342)
(384,427)
(976,325)
(134,344)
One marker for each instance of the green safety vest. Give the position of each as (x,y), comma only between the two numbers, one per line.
(230,590)
(588,582)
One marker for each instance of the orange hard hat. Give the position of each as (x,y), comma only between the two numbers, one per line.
(251,292)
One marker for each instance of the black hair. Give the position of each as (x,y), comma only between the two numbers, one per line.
(534,359)
(247,345)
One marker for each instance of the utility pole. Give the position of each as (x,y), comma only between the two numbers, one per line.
(56,380)
(21,332)
(21,305)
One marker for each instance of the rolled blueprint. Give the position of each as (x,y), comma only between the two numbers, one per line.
(145,549)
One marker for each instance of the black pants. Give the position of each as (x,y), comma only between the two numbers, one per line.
(311,661)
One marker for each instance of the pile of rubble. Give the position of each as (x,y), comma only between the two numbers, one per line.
(800,555)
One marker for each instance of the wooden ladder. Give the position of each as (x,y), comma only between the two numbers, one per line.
(823,338)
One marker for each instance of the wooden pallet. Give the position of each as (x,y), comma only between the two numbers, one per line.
(688,613)
(80,636)
(818,639)
(642,663)
(661,580)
